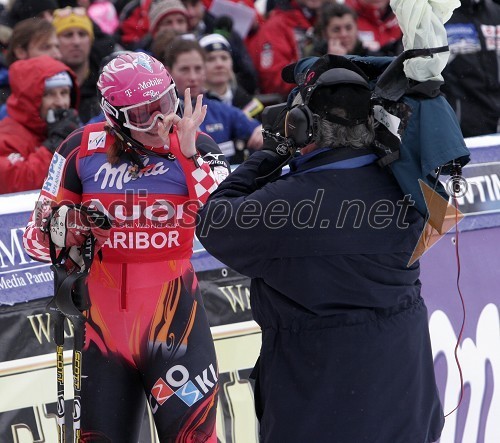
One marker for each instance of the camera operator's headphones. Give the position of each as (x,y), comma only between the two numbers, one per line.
(301,123)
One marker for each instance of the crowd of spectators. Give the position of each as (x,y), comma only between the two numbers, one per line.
(239,64)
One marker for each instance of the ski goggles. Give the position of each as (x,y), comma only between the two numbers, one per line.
(144,116)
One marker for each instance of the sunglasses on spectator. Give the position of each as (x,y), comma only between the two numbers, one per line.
(66,12)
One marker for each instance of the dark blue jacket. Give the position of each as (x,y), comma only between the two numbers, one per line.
(346,353)
(225,123)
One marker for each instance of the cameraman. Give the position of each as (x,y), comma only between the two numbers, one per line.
(41,114)
(346,354)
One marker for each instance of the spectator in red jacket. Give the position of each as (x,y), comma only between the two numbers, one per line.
(282,40)
(43,90)
(377,23)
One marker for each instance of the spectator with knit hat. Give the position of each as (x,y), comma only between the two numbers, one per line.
(221,81)
(41,115)
(168,14)
(75,32)
(164,16)
(141,22)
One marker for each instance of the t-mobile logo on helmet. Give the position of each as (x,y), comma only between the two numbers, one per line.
(148,84)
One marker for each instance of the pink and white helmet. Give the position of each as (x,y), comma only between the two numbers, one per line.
(136,90)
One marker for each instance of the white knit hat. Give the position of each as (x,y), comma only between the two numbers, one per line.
(60,79)
(215,42)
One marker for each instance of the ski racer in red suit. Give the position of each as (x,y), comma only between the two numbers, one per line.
(147,332)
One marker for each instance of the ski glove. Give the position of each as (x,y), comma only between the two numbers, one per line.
(65,122)
(68,227)
(71,225)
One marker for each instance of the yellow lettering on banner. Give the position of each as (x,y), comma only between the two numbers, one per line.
(40,323)
(239,297)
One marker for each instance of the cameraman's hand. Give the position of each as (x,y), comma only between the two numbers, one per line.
(66,121)
(277,126)
(278,150)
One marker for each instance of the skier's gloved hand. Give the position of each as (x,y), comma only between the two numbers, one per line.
(75,255)
(68,226)
(60,123)
(100,225)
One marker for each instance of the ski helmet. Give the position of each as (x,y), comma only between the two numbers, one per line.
(136,90)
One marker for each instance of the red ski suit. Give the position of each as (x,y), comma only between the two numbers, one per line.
(147,330)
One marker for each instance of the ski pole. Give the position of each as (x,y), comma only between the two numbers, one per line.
(58,318)
(70,300)
(79,328)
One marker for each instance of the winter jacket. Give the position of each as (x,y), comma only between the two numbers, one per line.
(472,84)
(345,341)
(241,99)
(134,22)
(227,124)
(280,40)
(375,29)
(23,160)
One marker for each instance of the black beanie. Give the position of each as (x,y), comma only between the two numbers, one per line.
(332,82)
(23,9)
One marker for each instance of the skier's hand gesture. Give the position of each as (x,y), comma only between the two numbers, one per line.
(186,126)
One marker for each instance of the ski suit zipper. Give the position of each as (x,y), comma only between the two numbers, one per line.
(123,288)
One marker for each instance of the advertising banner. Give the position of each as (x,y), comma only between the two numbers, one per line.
(482,195)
